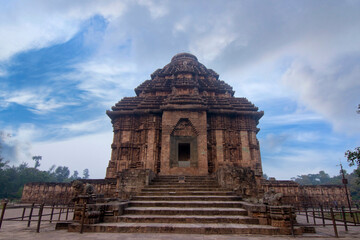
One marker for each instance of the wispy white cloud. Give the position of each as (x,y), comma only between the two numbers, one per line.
(279,142)
(16,143)
(90,126)
(41,23)
(292,118)
(333,91)
(102,80)
(37,100)
(156,9)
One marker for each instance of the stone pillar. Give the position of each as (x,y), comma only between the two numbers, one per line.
(150,158)
(219,149)
(246,155)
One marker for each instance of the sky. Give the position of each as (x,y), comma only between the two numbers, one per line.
(64,63)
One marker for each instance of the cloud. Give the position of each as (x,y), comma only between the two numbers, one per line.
(90,126)
(101,81)
(292,118)
(156,9)
(90,151)
(332,91)
(15,145)
(273,143)
(38,24)
(38,100)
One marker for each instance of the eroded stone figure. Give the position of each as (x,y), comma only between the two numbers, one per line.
(272,198)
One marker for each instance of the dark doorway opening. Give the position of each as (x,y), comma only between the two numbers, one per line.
(184,152)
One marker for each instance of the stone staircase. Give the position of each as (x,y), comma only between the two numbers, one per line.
(196,205)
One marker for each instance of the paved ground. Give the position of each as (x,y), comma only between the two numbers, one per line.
(19,230)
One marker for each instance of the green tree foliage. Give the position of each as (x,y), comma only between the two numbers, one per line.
(86,173)
(353,157)
(37,160)
(13,178)
(313,179)
(62,174)
(75,175)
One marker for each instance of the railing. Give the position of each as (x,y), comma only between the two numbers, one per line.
(339,217)
(29,217)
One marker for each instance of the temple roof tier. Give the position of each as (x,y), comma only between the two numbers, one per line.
(185,83)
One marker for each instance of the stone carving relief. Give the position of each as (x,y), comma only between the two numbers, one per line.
(184,128)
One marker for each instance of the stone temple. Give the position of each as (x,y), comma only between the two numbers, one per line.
(184,121)
(182,144)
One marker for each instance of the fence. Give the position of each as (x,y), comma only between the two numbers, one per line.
(43,210)
(339,217)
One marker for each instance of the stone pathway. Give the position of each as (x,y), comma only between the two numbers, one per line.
(18,230)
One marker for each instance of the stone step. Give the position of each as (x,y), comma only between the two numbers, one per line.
(186,193)
(200,228)
(183,184)
(186,180)
(186,177)
(180,189)
(192,204)
(187,219)
(204,211)
(187,198)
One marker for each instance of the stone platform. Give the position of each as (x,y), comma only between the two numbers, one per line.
(196,205)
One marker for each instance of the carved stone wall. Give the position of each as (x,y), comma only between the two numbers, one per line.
(327,195)
(62,193)
(131,181)
(232,141)
(136,144)
(308,195)
(240,180)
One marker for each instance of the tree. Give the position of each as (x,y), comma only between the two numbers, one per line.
(3,164)
(37,160)
(86,173)
(62,173)
(313,179)
(75,175)
(353,157)
(324,178)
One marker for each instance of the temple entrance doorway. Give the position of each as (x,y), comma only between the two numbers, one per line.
(184,154)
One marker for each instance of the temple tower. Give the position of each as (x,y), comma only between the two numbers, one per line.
(184,121)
